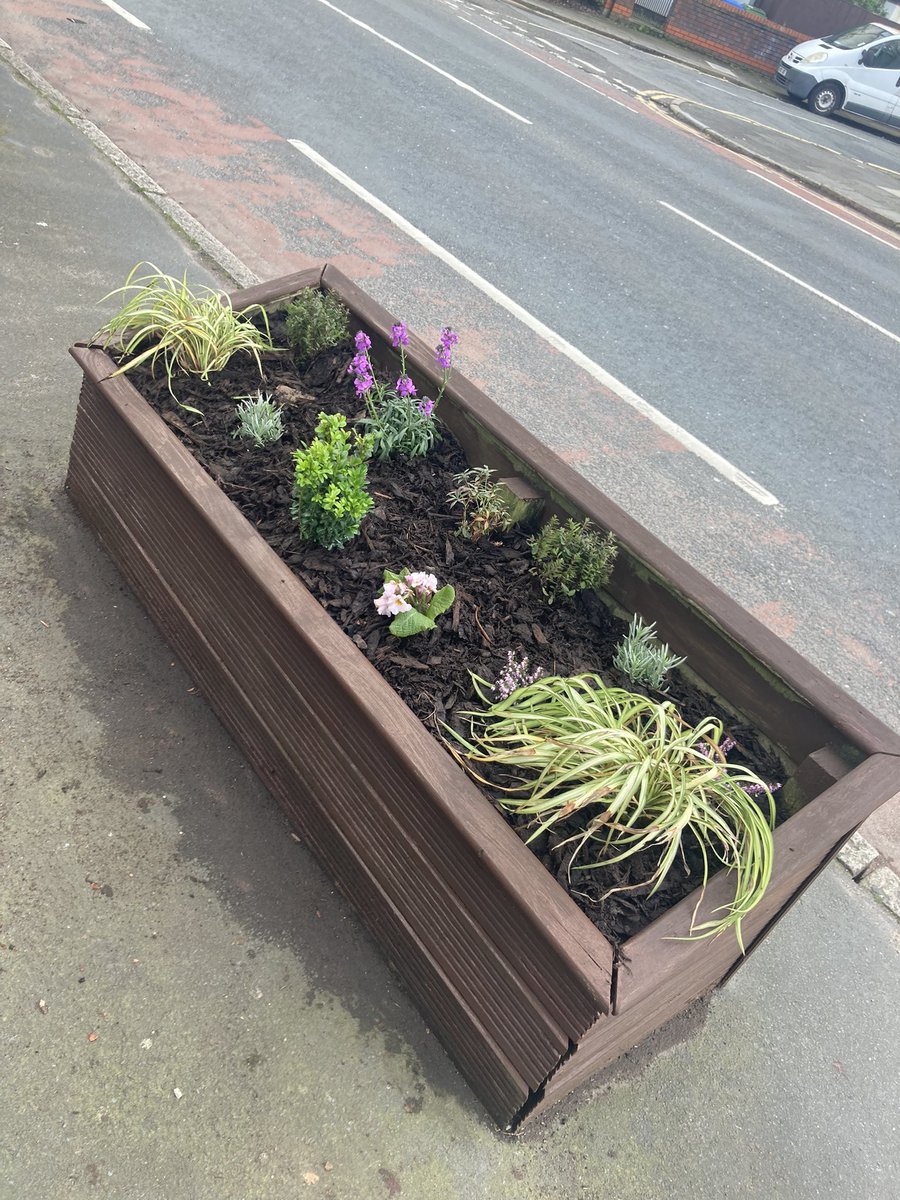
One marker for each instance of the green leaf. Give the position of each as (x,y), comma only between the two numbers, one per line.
(441,600)
(408,623)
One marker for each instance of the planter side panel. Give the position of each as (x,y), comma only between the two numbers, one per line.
(491,982)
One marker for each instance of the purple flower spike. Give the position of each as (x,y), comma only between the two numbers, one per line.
(405,387)
(363,342)
(425,407)
(363,383)
(442,356)
(448,338)
(399,335)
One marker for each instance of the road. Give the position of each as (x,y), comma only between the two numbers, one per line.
(718,353)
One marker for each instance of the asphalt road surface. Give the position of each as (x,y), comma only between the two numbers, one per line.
(719,353)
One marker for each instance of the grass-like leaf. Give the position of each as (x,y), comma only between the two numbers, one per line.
(640,778)
(196,332)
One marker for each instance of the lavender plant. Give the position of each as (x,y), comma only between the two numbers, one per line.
(330,497)
(413,599)
(572,557)
(259,419)
(315,321)
(484,505)
(642,657)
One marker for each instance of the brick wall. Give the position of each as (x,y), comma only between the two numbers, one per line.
(731,33)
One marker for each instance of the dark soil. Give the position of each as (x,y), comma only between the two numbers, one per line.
(499,604)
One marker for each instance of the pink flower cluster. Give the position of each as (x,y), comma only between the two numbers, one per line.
(515,675)
(415,590)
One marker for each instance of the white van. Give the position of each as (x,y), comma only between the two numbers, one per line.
(857,72)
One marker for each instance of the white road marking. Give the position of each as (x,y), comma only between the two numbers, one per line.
(726,469)
(828,211)
(785,274)
(544,42)
(467,87)
(733,95)
(543,62)
(581,62)
(601,46)
(132,20)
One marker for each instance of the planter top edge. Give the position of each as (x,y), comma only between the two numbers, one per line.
(861,727)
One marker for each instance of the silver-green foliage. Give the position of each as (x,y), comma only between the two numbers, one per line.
(315,321)
(259,419)
(330,474)
(398,425)
(193,331)
(635,775)
(642,657)
(485,508)
(572,557)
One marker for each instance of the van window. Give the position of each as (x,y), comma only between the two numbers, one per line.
(853,39)
(887,55)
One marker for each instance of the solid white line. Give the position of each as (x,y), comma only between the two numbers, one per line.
(543,62)
(544,42)
(425,63)
(709,456)
(117,8)
(786,274)
(813,204)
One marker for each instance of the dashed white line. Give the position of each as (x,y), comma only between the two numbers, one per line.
(590,66)
(467,87)
(543,61)
(601,46)
(828,211)
(129,17)
(726,469)
(851,312)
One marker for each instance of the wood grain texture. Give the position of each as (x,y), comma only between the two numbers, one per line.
(510,975)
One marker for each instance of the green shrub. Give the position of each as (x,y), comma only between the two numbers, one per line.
(483,501)
(572,557)
(195,332)
(330,497)
(259,419)
(315,321)
(637,776)
(642,657)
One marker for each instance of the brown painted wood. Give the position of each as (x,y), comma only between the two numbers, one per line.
(439,860)
(507,971)
(659,979)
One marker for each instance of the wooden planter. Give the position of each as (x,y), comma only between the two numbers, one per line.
(526,995)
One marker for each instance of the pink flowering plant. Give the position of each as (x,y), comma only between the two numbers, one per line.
(400,421)
(413,599)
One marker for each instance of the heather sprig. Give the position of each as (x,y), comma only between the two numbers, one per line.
(414,600)
(485,508)
(515,675)
(330,497)
(642,657)
(259,419)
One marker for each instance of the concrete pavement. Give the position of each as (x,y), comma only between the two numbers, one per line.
(187,1010)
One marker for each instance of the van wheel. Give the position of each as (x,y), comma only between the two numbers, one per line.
(825,98)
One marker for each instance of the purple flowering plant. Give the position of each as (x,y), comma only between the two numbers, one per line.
(400,421)
(414,600)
